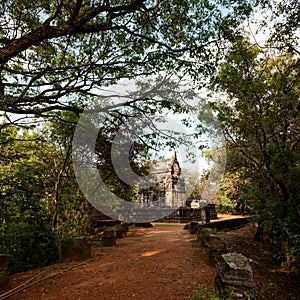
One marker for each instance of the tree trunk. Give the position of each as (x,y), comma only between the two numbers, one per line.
(259,235)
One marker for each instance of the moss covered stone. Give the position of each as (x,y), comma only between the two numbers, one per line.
(3,277)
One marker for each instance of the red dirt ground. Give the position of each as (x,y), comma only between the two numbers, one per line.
(164,262)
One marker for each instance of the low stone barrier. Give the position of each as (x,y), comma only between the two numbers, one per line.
(219,225)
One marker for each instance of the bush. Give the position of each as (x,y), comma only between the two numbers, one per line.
(202,293)
(29,246)
(227,205)
(257,293)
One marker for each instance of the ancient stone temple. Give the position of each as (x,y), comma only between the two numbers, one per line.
(170,187)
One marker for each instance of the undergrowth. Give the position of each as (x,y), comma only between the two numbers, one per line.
(258,293)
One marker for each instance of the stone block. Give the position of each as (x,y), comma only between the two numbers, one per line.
(78,250)
(203,235)
(193,228)
(109,238)
(216,248)
(109,233)
(4,277)
(79,242)
(234,270)
(122,229)
(3,262)
(215,243)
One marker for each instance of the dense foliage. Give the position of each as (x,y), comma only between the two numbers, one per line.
(41,204)
(261,120)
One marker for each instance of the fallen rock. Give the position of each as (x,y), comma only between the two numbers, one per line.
(235,271)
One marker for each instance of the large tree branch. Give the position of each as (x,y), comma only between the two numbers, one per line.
(47,32)
(75,25)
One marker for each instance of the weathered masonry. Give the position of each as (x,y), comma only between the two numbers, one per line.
(170,188)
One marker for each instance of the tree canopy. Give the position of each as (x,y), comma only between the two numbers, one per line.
(260,117)
(56,54)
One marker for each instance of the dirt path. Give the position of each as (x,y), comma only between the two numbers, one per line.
(155,263)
